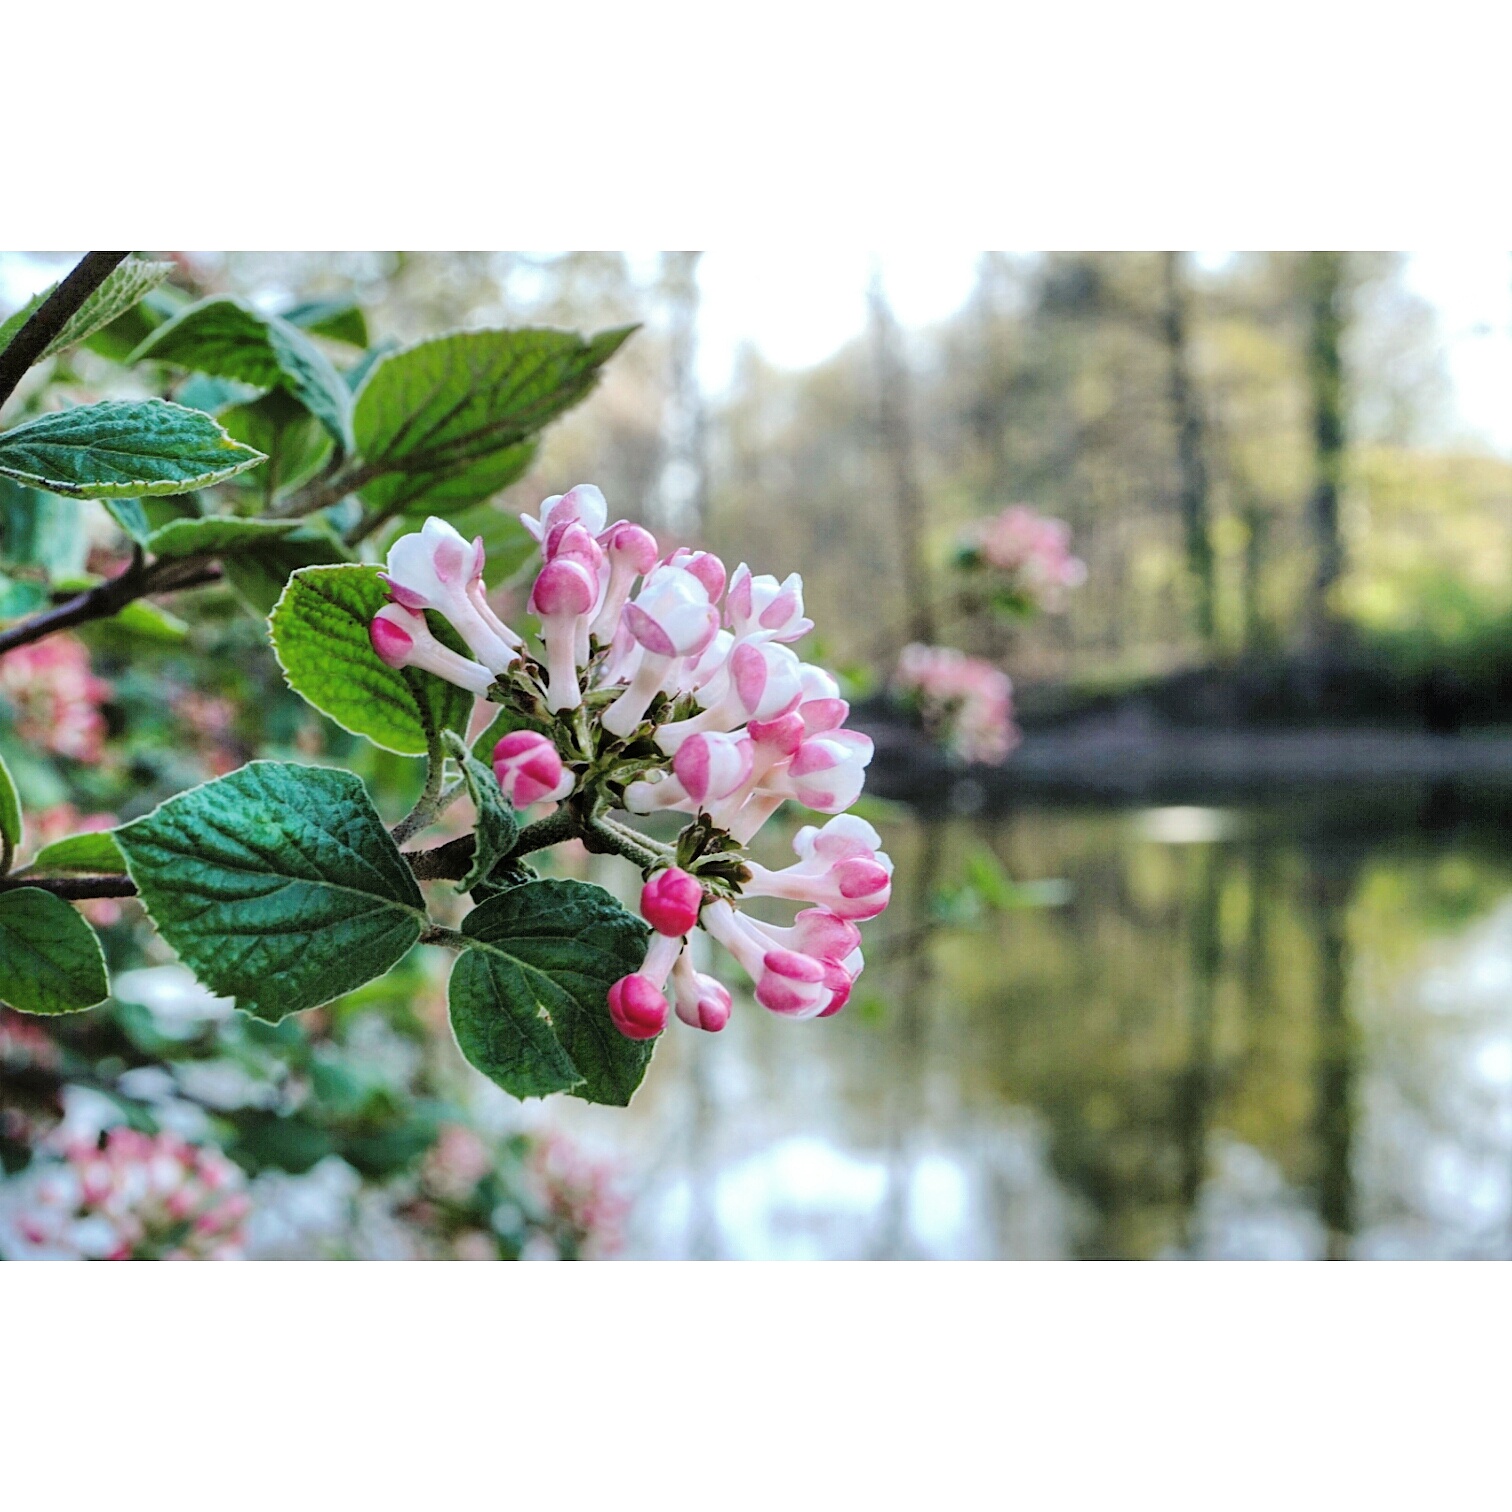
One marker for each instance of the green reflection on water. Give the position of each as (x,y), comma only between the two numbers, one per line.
(1274,1030)
(1193,993)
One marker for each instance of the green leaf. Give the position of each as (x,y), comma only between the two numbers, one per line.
(50,961)
(13,323)
(320,637)
(226,338)
(10,811)
(277,885)
(42,530)
(94,852)
(277,425)
(124,287)
(443,492)
(122,449)
(18,599)
(128,331)
(529,996)
(151,622)
(201,391)
(260,574)
(216,535)
(279,1142)
(127,284)
(451,416)
(498,826)
(339,319)
(131,517)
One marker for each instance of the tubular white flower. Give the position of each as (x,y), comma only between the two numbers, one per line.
(705,770)
(435,568)
(671,618)
(760,681)
(699,1000)
(828,771)
(840,868)
(798,972)
(564,595)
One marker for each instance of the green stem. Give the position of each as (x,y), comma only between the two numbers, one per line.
(620,840)
(439,934)
(432,799)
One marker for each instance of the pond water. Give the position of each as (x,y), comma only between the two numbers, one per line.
(1273,1030)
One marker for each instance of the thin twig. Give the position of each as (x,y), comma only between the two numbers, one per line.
(439,934)
(109,598)
(49,318)
(323,490)
(73,887)
(450,862)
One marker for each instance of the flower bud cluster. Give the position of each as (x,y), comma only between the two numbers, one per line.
(1032,551)
(663,683)
(137,1197)
(965,702)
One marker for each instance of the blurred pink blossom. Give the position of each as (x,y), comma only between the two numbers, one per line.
(1033,550)
(55,698)
(580,1193)
(134,1196)
(965,702)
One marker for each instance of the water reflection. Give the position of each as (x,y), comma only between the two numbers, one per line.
(1277,1031)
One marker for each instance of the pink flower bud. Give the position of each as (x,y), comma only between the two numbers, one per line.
(761,606)
(435,568)
(796,971)
(705,566)
(670,901)
(630,551)
(672,615)
(699,1000)
(711,767)
(529,769)
(829,770)
(564,595)
(637,1007)
(401,638)
(760,681)
(571,542)
(584,503)
(706,769)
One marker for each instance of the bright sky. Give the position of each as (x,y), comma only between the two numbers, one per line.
(801,306)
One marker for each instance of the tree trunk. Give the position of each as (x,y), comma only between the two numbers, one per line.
(1323,285)
(1191,450)
(896,432)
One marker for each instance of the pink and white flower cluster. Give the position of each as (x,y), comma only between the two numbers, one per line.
(965,702)
(689,672)
(135,1197)
(1032,550)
